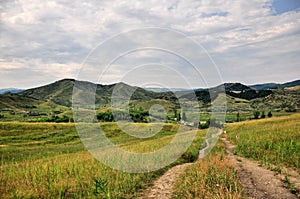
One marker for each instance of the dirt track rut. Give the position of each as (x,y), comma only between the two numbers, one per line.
(257,181)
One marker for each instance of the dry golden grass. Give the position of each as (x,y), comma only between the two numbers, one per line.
(211,177)
(47,160)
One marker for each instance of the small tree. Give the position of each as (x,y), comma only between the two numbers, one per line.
(263,114)
(270,114)
(238,117)
(175,113)
(256,114)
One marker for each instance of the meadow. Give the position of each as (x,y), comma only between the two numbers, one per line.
(272,141)
(48,160)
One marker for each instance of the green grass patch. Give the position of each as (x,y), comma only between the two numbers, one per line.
(48,160)
(271,141)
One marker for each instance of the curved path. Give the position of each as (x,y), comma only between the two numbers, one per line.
(163,187)
(203,152)
(257,181)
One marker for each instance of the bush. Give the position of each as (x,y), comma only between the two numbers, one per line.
(137,115)
(256,114)
(262,115)
(270,114)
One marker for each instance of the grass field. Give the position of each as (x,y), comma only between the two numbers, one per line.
(272,141)
(275,142)
(211,177)
(47,160)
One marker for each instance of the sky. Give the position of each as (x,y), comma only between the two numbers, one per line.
(251,42)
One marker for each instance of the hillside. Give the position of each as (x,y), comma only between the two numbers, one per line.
(236,90)
(10,90)
(269,86)
(16,107)
(60,92)
(56,98)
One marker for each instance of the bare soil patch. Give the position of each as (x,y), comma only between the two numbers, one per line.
(164,186)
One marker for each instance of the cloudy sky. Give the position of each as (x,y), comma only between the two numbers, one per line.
(252,41)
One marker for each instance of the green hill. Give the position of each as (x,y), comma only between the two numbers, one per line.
(17,107)
(60,92)
(55,99)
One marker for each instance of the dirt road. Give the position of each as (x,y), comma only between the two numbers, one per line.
(163,187)
(257,181)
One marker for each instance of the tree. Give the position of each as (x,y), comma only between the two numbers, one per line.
(238,117)
(262,114)
(270,114)
(256,114)
(175,113)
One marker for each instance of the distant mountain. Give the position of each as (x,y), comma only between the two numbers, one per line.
(159,90)
(10,90)
(269,86)
(56,98)
(60,92)
(234,87)
(290,84)
(237,90)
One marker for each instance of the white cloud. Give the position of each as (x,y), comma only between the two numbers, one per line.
(54,37)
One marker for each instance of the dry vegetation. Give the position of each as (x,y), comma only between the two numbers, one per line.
(211,177)
(47,160)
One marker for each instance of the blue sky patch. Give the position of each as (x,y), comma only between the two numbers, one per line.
(282,6)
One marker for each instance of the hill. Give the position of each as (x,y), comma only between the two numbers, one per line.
(236,90)
(10,90)
(56,98)
(269,86)
(16,107)
(60,92)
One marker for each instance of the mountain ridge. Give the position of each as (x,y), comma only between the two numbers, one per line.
(55,99)
(268,86)
(60,92)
